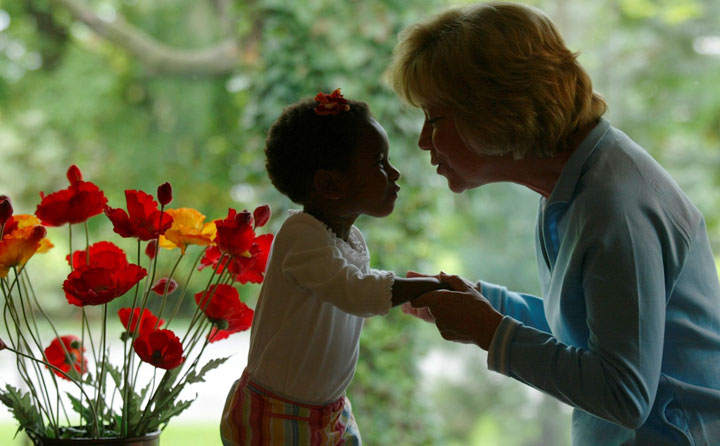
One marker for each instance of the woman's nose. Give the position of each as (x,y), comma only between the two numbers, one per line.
(425,139)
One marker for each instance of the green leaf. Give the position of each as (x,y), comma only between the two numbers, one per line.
(200,376)
(20,404)
(114,374)
(164,416)
(80,408)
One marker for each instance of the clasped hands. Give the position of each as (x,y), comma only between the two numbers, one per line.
(461,314)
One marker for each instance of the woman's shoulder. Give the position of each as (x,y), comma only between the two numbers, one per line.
(622,178)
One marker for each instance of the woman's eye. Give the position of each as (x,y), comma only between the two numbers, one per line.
(433,121)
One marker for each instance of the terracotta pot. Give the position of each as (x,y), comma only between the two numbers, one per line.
(146,440)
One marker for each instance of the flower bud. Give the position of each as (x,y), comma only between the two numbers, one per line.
(160,285)
(38,232)
(164,193)
(261,215)
(74,175)
(6,209)
(243,218)
(151,249)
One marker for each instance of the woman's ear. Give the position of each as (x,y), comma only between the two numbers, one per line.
(328,184)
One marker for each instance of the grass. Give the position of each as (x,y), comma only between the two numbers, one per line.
(7,432)
(178,433)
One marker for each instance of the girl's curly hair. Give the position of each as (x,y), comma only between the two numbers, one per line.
(300,142)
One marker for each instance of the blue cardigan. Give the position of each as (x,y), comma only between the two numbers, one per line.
(628,331)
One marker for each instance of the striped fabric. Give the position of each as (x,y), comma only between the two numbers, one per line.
(254,416)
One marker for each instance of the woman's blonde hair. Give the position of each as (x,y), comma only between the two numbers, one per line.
(504,70)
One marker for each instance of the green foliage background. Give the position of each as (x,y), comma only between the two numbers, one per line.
(71,94)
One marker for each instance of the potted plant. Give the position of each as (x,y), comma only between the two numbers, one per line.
(111,403)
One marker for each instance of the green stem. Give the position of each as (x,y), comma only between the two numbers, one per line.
(70,378)
(185,288)
(198,310)
(35,336)
(127,359)
(167,286)
(22,340)
(101,375)
(52,327)
(20,364)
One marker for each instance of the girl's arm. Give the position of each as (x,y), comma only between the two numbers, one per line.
(407,289)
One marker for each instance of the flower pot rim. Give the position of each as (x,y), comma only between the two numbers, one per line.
(147,436)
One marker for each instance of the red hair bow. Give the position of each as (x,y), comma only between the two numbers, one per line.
(330,104)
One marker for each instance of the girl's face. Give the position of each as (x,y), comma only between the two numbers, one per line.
(371,182)
(463,168)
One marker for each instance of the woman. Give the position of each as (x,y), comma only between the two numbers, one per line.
(628,329)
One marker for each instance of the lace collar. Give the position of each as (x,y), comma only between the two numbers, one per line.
(354,247)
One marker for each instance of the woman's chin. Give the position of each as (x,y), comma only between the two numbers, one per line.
(455,186)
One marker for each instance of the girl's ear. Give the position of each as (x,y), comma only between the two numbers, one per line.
(328,184)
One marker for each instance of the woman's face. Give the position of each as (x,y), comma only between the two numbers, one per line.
(455,161)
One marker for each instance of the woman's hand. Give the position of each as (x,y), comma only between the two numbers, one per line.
(462,315)
(420,313)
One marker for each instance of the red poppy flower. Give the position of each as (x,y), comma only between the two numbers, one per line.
(108,275)
(225,310)
(3,346)
(252,269)
(147,320)
(75,204)
(235,233)
(101,253)
(248,268)
(160,285)
(160,348)
(210,258)
(330,104)
(142,219)
(73,362)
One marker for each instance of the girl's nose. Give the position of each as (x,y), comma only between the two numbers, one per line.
(394,174)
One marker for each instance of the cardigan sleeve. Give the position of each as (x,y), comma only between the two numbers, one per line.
(524,308)
(615,375)
(314,262)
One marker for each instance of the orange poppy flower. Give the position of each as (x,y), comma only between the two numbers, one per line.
(21,243)
(188,228)
(24,221)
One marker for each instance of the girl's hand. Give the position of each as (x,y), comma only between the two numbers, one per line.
(420,313)
(463,314)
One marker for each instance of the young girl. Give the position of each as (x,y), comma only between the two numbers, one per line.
(331,156)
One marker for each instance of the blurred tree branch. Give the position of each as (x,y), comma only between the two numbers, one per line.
(57,34)
(160,58)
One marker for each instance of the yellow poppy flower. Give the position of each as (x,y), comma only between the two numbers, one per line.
(188,228)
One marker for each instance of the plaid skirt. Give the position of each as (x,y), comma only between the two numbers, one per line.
(253,416)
